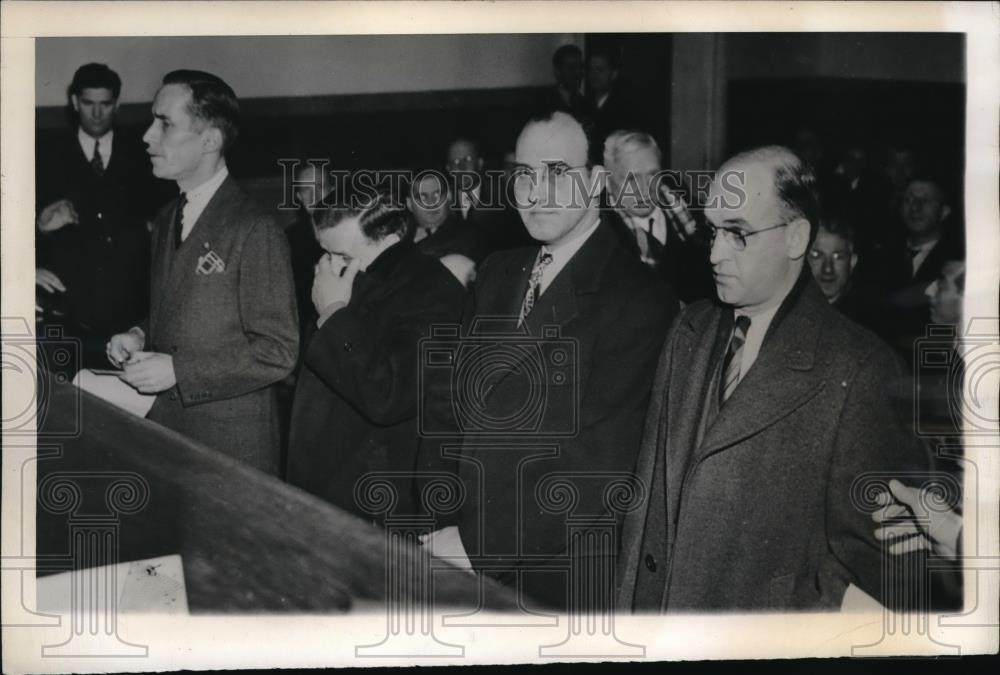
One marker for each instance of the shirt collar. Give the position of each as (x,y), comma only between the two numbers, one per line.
(205,191)
(87,142)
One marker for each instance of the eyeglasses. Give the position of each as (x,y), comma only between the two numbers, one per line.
(553,173)
(459,161)
(836,256)
(735,237)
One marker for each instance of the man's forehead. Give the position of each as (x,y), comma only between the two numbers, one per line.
(829,240)
(549,142)
(462,149)
(743,191)
(637,160)
(429,183)
(97,94)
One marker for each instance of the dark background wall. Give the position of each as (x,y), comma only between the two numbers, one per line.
(395,101)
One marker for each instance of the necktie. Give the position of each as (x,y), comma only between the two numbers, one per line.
(179,220)
(654,247)
(97,162)
(731,369)
(531,295)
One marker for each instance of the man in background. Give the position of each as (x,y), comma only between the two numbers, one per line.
(222,326)
(479,200)
(565,95)
(650,218)
(95,194)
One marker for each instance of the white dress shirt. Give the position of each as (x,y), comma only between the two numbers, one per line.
(561,256)
(197,200)
(87,143)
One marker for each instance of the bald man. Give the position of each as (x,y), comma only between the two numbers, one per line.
(768,405)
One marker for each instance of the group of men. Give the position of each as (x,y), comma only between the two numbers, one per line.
(743,419)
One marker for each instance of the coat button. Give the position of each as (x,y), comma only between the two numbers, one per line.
(173,397)
(348,347)
(650,563)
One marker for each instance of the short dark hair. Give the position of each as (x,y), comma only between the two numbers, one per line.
(565,52)
(840,223)
(95,76)
(380,215)
(930,179)
(212,101)
(609,55)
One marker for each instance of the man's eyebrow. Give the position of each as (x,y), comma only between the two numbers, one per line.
(555,162)
(735,221)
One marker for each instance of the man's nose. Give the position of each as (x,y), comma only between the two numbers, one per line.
(827,265)
(719,250)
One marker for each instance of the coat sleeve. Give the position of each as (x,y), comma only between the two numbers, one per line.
(270,334)
(380,372)
(875,442)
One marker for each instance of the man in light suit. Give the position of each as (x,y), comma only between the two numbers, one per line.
(768,406)
(222,327)
(596,315)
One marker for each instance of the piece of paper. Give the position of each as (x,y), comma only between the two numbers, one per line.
(108,386)
(155,585)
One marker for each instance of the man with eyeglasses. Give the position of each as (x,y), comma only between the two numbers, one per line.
(596,316)
(477,198)
(767,407)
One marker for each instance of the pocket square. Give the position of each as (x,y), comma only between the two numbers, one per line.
(210,263)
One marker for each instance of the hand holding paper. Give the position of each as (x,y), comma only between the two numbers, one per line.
(150,372)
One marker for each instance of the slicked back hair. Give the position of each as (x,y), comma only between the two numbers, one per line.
(212,101)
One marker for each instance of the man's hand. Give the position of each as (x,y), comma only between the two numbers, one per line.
(446,544)
(121,347)
(922,527)
(333,282)
(57,215)
(49,281)
(150,372)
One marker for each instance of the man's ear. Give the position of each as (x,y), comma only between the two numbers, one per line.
(75,100)
(480,163)
(598,180)
(797,241)
(854,261)
(945,212)
(211,140)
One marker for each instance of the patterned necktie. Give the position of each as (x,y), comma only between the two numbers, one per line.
(531,295)
(97,162)
(731,369)
(179,220)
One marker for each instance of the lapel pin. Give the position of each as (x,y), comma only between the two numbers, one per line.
(206,246)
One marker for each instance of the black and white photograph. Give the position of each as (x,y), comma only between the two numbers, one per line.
(385,334)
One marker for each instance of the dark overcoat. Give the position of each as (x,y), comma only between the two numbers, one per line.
(767,508)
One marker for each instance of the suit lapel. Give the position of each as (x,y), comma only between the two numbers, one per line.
(184,260)
(780,380)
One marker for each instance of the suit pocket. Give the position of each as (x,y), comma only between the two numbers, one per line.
(779,591)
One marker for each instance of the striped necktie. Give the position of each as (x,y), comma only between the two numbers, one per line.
(731,369)
(534,282)
(97,162)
